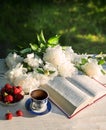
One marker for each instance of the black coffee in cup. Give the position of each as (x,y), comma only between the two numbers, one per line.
(39,94)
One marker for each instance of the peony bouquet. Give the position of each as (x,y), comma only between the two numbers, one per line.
(38,63)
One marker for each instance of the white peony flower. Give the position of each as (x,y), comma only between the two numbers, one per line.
(49,67)
(78,58)
(93,61)
(43,79)
(13,59)
(28,82)
(33,60)
(60,59)
(92,69)
(66,69)
(69,53)
(13,73)
(54,55)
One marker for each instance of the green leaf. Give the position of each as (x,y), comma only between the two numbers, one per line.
(101,62)
(38,37)
(103,71)
(84,61)
(79,67)
(42,45)
(40,70)
(54,40)
(29,68)
(26,50)
(51,72)
(41,38)
(34,47)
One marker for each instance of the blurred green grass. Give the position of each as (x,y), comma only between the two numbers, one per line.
(81,23)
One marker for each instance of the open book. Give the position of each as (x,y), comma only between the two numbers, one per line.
(75,93)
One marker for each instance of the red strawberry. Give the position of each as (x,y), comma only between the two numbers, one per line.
(18,97)
(8,116)
(16,90)
(20,88)
(8,98)
(19,113)
(8,88)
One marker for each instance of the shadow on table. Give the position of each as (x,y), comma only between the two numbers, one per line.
(54,109)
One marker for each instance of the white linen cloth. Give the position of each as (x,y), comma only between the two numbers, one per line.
(91,118)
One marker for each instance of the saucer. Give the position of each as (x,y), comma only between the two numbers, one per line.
(36,112)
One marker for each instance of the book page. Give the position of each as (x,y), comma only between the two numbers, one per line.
(70,92)
(87,85)
(61,102)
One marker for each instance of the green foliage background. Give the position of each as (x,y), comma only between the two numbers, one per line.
(81,23)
